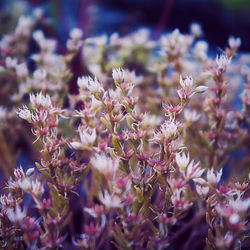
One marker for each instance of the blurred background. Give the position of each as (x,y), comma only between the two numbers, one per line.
(219,18)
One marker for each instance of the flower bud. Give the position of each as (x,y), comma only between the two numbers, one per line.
(201,89)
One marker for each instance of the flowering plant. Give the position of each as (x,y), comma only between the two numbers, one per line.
(138,155)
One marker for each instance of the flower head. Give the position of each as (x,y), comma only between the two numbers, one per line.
(93,85)
(24,113)
(110,201)
(40,100)
(16,215)
(214,177)
(222,61)
(105,164)
(182,160)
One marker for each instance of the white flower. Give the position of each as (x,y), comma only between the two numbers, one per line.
(201,190)
(10,62)
(195,29)
(40,74)
(222,61)
(38,35)
(22,70)
(193,171)
(234,43)
(200,50)
(214,177)
(240,205)
(187,82)
(25,184)
(151,120)
(92,85)
(191,115)
(6,200)
(37,187)
(234,219)
(40,100)
(182,160)
(16,215)
(167,130)
(110,201)
(24,113)
(76,34)
(105,164)
(118,74)
(24,26)
(87,136)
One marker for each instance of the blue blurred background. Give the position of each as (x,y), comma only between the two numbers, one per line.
(219,18)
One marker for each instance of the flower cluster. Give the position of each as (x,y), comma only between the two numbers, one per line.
(137,157)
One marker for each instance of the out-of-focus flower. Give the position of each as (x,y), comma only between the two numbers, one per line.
(40,74)
(105,164)
(202,190)
(224,241)
(97,41)
(179,201)
(75,42)
(10,63)
(191,115)
(234,43)
(200,50)
(95,211)
(76,34)
(151,121)
(6,200)
(93,85)
(22,70)
(24,25)
(195,29)
(213,177)
(110,201)
(240,205)
(234,219)
(37,188)
(25,184)
(16,215)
